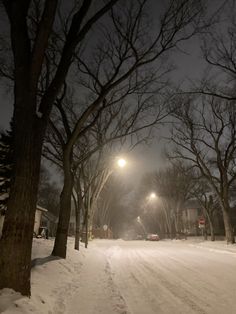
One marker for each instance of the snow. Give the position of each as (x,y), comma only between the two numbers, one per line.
(130,277)
(53,282)
(41,208)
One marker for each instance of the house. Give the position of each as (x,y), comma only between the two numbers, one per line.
(37,221)
(50,221)
(38,217)
(191,215)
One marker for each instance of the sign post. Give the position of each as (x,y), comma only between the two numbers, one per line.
(202,226)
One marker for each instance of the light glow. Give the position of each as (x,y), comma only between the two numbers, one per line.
(153,196)
(121,163)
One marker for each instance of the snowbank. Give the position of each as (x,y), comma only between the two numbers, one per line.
(215,246)
(219,246)
(52,281)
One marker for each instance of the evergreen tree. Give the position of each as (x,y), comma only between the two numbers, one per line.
(6,165)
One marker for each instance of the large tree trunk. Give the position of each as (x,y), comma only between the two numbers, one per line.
(229,233)
(210,220)
(212,231)
(60,244)
(86,229)
(77,227)
(16,241)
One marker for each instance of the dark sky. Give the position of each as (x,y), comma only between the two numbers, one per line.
(189,66)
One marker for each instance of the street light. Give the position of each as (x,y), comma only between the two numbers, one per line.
(121,162)
(152,196)
(139,220)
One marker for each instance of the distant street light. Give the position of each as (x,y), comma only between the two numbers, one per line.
(152,196)
(139,220)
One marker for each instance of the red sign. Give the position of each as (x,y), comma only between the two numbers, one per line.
(201,221)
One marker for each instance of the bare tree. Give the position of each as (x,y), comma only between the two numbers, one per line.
(112,208)
(219,52)
(29,43)
(107,129)
(119,74)
(174,185)
(204,133)
(164,213)
(31,35)
(91,177)
(208,201)
(48,192)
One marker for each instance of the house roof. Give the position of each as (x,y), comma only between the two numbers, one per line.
(51,217)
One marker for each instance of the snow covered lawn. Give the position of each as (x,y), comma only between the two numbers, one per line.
(53,281)
(130,277)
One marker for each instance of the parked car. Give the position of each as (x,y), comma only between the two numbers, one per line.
(152,237)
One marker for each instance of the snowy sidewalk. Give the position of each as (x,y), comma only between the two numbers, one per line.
(97,292)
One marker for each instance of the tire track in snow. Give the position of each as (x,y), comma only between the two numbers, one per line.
(178,288)
(166,282)
(139,290)
(210,277)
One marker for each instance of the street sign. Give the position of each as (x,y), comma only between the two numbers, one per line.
(201,221)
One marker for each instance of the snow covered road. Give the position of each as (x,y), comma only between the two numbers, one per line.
(166,277)
(130,277)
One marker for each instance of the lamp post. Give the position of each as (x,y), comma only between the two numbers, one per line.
(140,222)
(120,163)
(150,198)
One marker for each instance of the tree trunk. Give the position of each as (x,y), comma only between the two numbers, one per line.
(16,241)
(86,229)
(60,244)
(77,228)
(208,212)
(212,230)
(229,233)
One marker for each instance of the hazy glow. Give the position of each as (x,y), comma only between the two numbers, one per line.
(153,195)
(121,163)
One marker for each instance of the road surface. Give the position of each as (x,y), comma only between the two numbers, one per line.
(166,277)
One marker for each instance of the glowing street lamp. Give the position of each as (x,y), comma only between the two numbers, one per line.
(152,196)
(121,162)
